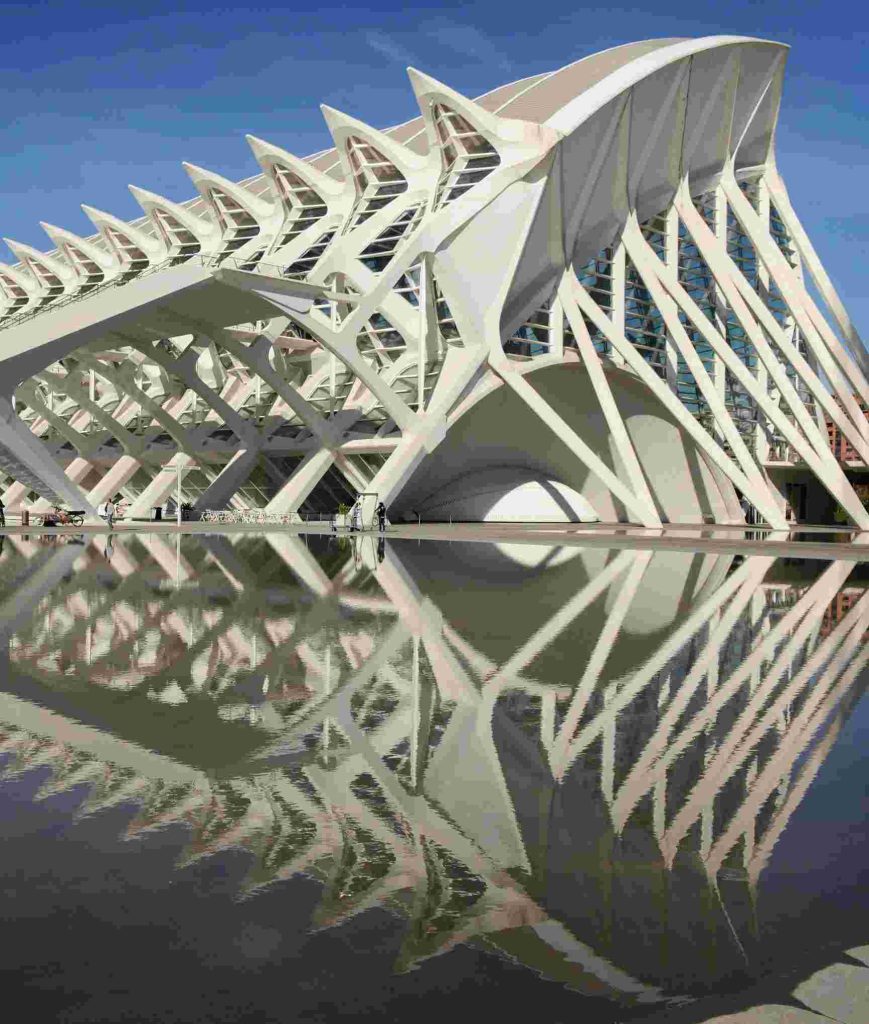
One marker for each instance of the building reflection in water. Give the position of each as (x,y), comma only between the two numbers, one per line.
(581,757)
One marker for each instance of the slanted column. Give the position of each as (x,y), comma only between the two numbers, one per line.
(426,311)
(619,272)
(221,490)
(671,250)
(27,450)
(307,475)
(162,485)
(720,302)
(556,328)
(117,477)
(761,444)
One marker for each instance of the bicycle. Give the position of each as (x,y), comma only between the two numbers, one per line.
(61,517)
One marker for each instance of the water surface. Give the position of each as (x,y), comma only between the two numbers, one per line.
(276,777)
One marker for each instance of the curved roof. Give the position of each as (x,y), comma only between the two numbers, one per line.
(540,97)
(543,98)
(529,99)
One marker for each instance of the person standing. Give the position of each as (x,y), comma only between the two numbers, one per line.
(2,513)
(106,511)
(381,516)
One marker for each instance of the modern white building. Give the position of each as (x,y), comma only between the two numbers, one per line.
(583,295)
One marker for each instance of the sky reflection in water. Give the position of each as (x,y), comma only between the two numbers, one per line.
(616,778)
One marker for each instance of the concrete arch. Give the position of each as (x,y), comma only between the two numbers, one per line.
(684,485)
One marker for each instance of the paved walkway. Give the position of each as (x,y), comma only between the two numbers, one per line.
(837,993)
(836,542)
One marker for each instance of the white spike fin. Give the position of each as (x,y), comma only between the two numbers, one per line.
(60,236)
(267,155)
(151,246)
(149,201)
(259,208)
(25,252)
(341,126)
(21,278)
(429,90)
(10,301)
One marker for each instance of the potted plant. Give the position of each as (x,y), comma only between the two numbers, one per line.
(342,518)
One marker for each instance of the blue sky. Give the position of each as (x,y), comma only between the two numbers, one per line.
(97,95)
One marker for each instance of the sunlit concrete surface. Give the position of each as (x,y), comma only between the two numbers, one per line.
(839,992)
(583,295)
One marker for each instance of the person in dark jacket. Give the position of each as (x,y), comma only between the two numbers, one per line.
(380,512)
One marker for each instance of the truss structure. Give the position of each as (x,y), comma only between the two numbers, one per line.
(343,725)
(583,294)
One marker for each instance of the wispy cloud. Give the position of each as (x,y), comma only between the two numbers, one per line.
(389,47)
(465,40)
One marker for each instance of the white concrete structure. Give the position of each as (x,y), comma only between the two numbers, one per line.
(587,283)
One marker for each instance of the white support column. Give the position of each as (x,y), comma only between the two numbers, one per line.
(30,453)
(818,456)
(305,478)
(556,328)
(146,403)
(256,358)
(823,341)
(227,410)
(621,438)
(619,273)
(634,505)
(227,482)
(720,301)
(160,488)
(742,298)
(816,268)
(669,400)
(651,269)
(671,357)
(761,444)
(342,344)
(118,476)
(425,318)
(459,368)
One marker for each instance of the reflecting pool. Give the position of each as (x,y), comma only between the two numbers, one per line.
(278,777)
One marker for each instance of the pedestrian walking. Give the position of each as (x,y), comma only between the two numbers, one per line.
(355,515)
(106,512)
(2,513)
(381,516)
